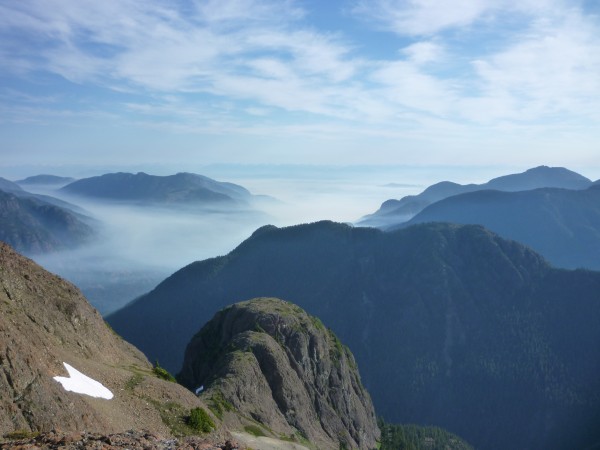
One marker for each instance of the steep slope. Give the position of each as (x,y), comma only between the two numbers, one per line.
(44,323)
(182,188)
(9,186)
(451,326)
(35,226)
(393,212)
(563,225)
(274,363)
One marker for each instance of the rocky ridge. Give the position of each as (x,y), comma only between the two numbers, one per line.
(275,364)
(45,322)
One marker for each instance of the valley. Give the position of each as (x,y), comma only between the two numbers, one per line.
(451,325)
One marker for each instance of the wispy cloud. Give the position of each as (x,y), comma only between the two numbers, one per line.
(249,65)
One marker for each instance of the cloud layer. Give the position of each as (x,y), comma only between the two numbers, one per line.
(396,69)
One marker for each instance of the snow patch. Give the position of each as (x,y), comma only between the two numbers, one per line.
(82,384)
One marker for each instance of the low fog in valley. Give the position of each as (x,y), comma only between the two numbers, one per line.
(138,246)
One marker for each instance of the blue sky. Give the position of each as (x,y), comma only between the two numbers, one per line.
(420,82)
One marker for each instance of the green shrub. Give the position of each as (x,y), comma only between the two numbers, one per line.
(200,421)
(162,373)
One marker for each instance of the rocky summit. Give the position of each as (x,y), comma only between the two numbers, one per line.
(271,362)
(47,328)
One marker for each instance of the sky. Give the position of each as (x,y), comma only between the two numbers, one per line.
(354,82)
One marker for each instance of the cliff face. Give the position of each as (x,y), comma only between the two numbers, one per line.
(279,366)
(46,322)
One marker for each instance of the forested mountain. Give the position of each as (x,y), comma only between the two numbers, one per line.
(563,225)
(393,212)
(451,325)
(182,188)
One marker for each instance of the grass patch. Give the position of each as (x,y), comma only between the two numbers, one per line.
(134,381)
(218,405)
(21,434)
(254,430)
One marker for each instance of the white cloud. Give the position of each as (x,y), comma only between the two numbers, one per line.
(423,17)
(554,70)
(196,68)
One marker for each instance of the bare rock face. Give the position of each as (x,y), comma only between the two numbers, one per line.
(46,322)
(273,363)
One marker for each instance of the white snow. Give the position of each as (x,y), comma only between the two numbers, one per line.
(199,389)
(82,384)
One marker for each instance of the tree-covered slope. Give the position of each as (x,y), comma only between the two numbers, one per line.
(563,225)
(451,325)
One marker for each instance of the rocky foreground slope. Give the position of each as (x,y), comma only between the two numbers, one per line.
(46,322)
(273,363)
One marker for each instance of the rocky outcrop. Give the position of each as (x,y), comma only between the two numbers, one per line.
(46,322)
(273,363)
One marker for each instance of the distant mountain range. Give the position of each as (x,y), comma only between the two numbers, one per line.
(45,180)
(394,212)
(181,188)
(563,225)
(451,325)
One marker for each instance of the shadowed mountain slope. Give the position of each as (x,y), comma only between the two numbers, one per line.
(563,225)
(451,325)
(34,226)
(393,212)
(273,362)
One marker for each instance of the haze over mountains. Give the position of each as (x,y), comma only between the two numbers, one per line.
(460,327)
(394,212)
(36,224)
(563,225)
(181,188)
(45,180)
(131,243)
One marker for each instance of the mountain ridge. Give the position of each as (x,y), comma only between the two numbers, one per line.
(45,322)
(271,361)
(393,212)
(181,188)
(561,224)
(478,324)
